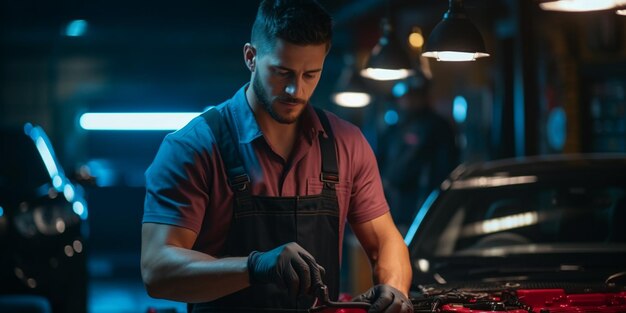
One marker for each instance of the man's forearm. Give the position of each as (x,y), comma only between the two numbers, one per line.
(190,276)
(392,267)
(387,252)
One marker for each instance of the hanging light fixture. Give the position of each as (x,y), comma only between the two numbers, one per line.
(580,5)
(455,38)
(351,91)
(388,60)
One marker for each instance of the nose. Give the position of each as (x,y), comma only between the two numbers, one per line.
(291,89)
(294,88)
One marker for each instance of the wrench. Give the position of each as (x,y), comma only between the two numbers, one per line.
(323,304)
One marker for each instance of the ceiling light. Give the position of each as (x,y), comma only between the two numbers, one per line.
(388,60)
(579,5)
(136,121)
(352,99)
(455,38)
(350,90)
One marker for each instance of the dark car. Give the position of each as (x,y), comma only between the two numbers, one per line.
(43,224)
(542,234)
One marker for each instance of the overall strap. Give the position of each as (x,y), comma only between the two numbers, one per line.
(330,172)
(228,147)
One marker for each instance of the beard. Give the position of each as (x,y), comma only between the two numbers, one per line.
(266,103)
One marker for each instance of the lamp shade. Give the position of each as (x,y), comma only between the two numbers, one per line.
(579,5)
(351,91)
(455,38)
(388,60)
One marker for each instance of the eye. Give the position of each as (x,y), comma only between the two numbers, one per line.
(310,75)
(282,73)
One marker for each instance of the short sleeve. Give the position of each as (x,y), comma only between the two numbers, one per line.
(367,201)
(177,181)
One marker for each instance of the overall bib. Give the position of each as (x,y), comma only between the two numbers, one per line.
(263,223)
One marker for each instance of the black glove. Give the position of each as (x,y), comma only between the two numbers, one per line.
(387,299)
(287,266)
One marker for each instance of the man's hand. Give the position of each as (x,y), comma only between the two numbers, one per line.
(387,299)
(289,266)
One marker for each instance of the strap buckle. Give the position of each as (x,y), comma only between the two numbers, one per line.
(239,182)
(329,178)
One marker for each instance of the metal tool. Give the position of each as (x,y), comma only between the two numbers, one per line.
(324,304)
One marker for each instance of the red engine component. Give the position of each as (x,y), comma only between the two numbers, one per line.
(339,310)
(557,301)
(464,309)
(539,301)
(510,301)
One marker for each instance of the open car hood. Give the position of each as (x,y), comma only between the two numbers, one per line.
(541,300)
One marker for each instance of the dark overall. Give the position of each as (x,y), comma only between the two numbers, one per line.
(264,223)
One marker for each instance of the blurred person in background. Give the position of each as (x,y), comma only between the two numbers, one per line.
(246,205)
(416,154)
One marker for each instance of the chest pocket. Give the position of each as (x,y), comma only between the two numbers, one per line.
(343,188)
(314,187)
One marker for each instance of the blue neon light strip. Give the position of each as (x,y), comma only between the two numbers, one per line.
(44,147)
(136,121)
(420,217)
(46,155)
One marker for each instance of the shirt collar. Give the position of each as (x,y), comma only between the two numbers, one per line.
(311,125)
(248,129)
(243,117)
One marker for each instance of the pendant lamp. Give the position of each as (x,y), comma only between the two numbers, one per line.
(455,38)
(579,5)
(388,60)
(350,90)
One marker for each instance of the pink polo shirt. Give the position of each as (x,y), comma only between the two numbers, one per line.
(187,185)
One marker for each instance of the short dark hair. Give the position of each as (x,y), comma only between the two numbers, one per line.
(300,22)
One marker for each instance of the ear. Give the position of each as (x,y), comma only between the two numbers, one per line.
(249,56)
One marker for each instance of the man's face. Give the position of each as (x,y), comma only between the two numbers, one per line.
(285,78)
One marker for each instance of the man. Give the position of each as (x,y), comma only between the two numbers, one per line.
(246,205)
(417,154)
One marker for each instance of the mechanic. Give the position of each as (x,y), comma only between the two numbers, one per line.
(246,205)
